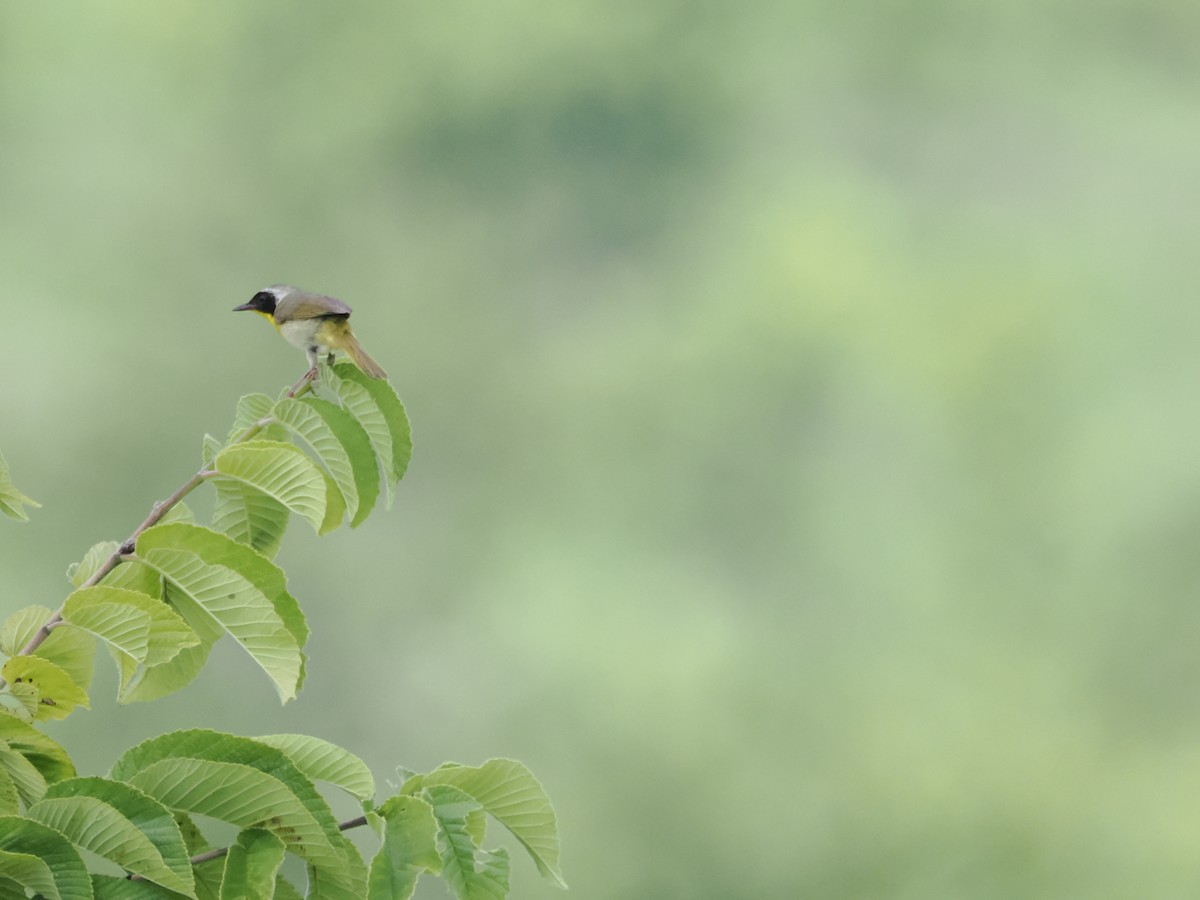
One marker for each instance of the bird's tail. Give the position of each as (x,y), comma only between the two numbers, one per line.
(361,358)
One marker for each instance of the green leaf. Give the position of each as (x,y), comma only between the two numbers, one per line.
(341,446)
(142,683)
(22,625)
(374,403)
(12,501)
(10,799)
(111,887)
(11,890)
(44,753)
(249,516)
(58,694)
(346,881)
(508,791)
(180,512)
(409,847)
(260,606)
(78,573)
(472,873)
(252,865)
(71,651)
(238,589)
(107,613)
(237,780)
(322,761)
(209,448)
(252,409)
(281,471)
(29,783)
(284,890)
(42,860)
(122,825)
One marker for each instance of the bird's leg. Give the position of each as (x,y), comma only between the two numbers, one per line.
(310,375)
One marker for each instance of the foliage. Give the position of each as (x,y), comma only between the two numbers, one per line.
(158,602)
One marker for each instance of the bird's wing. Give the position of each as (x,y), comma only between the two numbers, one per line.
(310,306)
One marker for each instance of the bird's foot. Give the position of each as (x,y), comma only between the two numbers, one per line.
(310,375)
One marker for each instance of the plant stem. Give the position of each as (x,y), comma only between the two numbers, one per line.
(156,514)
(209,855)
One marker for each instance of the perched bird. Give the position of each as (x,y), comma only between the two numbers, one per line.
(316,324)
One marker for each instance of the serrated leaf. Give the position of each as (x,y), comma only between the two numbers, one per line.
(45,753)
(209,448)
(409,847)
(252,409)
(21,626)
(472,873)
(12,501)
(59,695)
(107,613)
(20,701)
(120,824)
(239,607)
(322,761)
(143,683)
(78,573)
(73,651)
(281,471)
(374,403)
(335,506)
(261,604)
(509,792)
(346,881)
(249,516)
(237,780)
(30,784)
(285,890)
(251,866)
(42,859)
(342,447)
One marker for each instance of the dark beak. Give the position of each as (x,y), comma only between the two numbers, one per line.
(243,306)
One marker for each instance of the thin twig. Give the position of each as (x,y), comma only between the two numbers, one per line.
(126,548)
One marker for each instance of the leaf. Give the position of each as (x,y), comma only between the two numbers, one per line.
(409,847)
(509,792)
(252,865)
(29,783)
(249,516)
(179,512)
(107,613)
(59,695)
(78,573)
(322,761)
(42,860)
(472,873)
(10,800)
(260,606)
(346,881)
(281,471)
(237,780)
(374,403)
(252,409)
(120,824)
(284,890)
(12,501)
(71,651)
(43,752)
(341,446)
(142,683)
(111,887)
(21,626)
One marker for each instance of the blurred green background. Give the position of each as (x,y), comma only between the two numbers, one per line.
(805,482)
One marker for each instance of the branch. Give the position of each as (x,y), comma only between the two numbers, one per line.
(209,855)
(156,514)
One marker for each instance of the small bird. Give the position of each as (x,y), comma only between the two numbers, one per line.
(316,324)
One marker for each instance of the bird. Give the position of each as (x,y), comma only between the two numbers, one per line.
(315,323)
